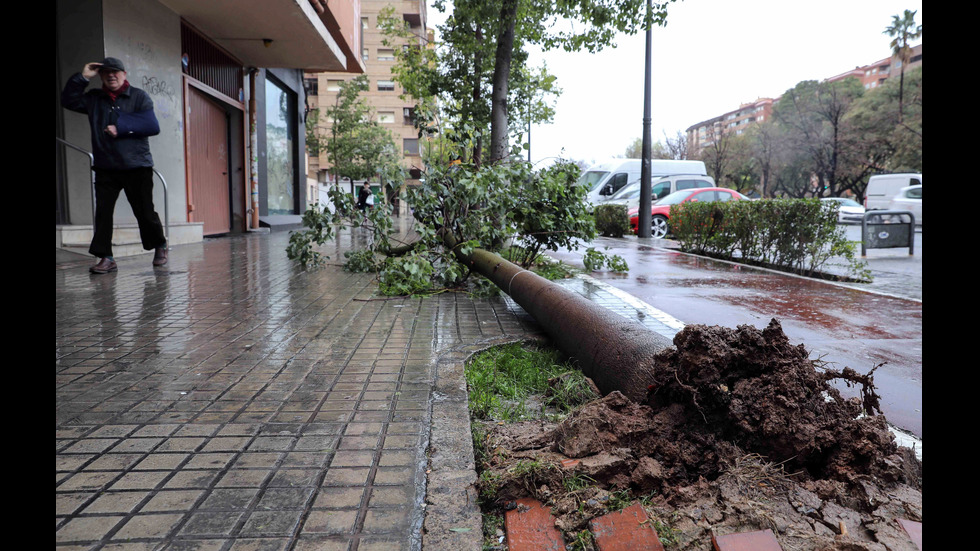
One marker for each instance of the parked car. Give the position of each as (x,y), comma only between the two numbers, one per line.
(606,178)
(660,210)
(849,210)
(660,186)
(909,198)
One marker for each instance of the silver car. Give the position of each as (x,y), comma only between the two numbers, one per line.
(909,198)
(849,209)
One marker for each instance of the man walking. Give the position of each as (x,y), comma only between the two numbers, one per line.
(121,119)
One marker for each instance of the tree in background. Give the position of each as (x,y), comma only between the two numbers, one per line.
(889,145)
(669,148)
(357,143)
(718,156)
(814,117)
(477,73)
(763,143)
(904,30)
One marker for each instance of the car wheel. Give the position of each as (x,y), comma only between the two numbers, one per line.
(658,226)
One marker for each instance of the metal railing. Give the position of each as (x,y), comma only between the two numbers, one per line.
(91,168)
(883,229)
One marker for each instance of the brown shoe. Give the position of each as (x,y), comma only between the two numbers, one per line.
(160,257)
(103,267)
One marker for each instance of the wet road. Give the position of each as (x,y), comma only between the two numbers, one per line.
(839,325)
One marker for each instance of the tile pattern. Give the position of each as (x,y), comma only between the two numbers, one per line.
(232,400)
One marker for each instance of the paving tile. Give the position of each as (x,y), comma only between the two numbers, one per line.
(84,529)
(172,500)
(116,502)
(761,540)
(330,521)
(531,527)
(625,530)
(913,529)
(153,526)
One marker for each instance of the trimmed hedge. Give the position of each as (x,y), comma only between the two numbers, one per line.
(612,220)
(798,235)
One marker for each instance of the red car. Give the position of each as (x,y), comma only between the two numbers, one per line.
(660,211)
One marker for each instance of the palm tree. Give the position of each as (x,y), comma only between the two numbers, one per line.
(904,30)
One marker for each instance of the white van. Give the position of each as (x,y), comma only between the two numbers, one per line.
(660,186)
(608,177)
(882,188)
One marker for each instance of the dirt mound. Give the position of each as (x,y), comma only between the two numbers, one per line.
(740,431)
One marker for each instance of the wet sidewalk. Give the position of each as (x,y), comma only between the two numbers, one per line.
(231,400)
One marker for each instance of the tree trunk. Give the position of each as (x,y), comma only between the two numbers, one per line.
(613,351)
(477,95)
(501,79)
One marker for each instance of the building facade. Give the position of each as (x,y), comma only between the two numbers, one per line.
(872,75)
(706,133)
(226,80)
(393,112)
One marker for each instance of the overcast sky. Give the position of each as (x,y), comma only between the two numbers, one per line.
(712,56)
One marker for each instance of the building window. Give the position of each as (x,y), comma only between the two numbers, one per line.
(410,146)
(364,23)
(386,54)
(311,85)
(280,140)
(386,117)
(386,86)
(333,85)
(364,54)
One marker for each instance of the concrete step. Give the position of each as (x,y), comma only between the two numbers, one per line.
(125,237)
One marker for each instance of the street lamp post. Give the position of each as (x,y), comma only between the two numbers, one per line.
(643,228)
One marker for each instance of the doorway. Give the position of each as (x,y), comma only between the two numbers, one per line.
(209,185)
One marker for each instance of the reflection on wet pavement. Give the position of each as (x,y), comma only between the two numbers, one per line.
(234,397)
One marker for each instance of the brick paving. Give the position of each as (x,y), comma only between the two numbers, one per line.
(232,401)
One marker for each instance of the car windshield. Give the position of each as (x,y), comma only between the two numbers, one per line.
(628,192)
(677,196)
(846,202)
(591,179)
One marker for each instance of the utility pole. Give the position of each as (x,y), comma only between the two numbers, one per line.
(643,228)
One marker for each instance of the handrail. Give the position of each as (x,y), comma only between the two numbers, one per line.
(91,168)
(91,165)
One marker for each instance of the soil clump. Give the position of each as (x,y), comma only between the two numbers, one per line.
(741,431)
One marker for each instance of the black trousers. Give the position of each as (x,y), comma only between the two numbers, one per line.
(138,185)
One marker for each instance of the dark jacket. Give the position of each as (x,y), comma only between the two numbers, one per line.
(362,197)
(131,112)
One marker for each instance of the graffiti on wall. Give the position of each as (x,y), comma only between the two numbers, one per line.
(166,99)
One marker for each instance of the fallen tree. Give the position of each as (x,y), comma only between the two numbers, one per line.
(738,431)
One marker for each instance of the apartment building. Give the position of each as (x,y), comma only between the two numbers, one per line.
(383,96)
(872,75)
(705,133)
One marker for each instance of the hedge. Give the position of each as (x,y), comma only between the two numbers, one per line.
(798,235)
(612,220)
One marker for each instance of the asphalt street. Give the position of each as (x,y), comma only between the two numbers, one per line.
(856,325)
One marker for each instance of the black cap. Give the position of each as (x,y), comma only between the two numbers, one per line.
(112,64)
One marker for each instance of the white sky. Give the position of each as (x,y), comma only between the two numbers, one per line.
(712,56)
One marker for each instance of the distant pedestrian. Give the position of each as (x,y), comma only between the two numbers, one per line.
(121,119)
(363,195)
